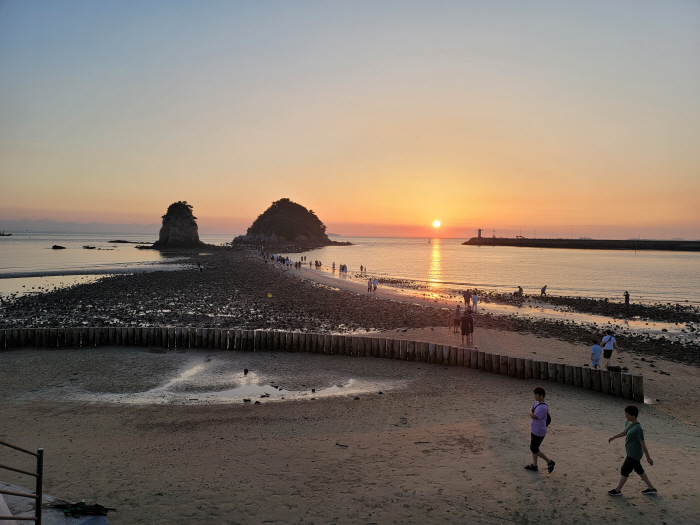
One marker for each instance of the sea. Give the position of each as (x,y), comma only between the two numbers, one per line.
(29,265)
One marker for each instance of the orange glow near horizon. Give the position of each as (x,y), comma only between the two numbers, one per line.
(375,125)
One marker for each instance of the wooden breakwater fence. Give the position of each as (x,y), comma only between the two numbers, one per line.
(620,384)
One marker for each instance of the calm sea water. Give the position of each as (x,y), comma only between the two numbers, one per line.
(648,276)
(442,263)
(28,264)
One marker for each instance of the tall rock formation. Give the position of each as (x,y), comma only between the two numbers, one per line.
(179,227)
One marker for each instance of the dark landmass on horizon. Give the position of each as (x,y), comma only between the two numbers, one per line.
(588,244)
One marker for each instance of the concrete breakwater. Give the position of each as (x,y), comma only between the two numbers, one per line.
(620,384)
(588,244)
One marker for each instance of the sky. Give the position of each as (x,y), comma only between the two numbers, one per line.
(540,118)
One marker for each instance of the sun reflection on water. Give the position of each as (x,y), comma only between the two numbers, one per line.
(435,276)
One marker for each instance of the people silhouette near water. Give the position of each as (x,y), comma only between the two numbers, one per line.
(543,291)
(457,319)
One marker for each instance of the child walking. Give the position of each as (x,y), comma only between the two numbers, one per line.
(635,448)
(538,430)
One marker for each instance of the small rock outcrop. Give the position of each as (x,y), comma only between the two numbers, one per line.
(287,222)
(179,227)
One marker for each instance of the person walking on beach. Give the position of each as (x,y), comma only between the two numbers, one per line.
(539,415)
(369,286)
(475,300)
(609,344)
(627,299)
(374,284)
(467,297)
(635,448)
(596,350)
(543,291)
(464,326)
(457,320)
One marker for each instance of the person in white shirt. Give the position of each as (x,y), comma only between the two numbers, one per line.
(609,344)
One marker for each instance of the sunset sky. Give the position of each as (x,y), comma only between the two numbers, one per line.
(564,118)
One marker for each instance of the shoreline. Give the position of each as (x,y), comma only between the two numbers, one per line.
(238,290)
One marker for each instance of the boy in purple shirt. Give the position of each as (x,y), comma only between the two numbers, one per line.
(538,430)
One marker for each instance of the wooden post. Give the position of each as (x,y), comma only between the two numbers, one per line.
(638,388)
(396,354)
(520,367)
(410,350)
(467,358)
(616,384)
(296,343)
(560,372)
(460,356)
(171,337)
(84,337)
(627,385)
(512,366)
(76,337)
(569,374)
(289,347)
(431,353)
(605,381)
(446,354)
(212,338)
(488,362)
(91,337)
(2,339)
(596,383)
(496,364)
(217,338)
(528,368)
(552,370)
(543,370)
(578,381)
(425,351)
(243,339)
(375,347)
(53,337)
(32,334)
(505,365)
(474,358)
(367,346)
(236,339)
(23,337)
(327,344)
(586,380)
(355,346)
(403,348)
(62,336)
(535,369)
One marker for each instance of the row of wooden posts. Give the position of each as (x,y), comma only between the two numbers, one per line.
(619,384)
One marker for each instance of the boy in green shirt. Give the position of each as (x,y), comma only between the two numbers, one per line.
(635,449)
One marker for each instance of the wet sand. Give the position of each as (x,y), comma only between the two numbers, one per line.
(439,445)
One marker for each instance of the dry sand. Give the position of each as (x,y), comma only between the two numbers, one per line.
(440,445)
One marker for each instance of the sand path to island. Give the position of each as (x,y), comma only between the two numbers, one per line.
(440,445)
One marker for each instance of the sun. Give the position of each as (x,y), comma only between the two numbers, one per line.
(436,224)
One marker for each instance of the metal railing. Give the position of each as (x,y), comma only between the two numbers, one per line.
(39,475)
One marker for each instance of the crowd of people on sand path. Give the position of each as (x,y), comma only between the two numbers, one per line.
(635,445)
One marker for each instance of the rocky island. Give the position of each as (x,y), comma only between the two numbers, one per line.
(179,228)
(290,224)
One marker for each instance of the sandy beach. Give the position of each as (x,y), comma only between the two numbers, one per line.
(438,445)
(166,438)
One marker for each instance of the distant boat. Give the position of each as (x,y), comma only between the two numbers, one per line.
(3,234)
